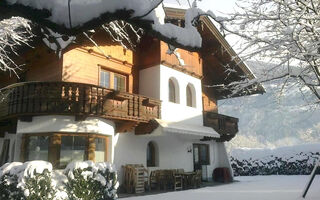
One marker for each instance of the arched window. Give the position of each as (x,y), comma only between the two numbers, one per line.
(190,95)
(151,155)
(173,90)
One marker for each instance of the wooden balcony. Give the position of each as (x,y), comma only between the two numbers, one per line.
(25,100)
(225,125)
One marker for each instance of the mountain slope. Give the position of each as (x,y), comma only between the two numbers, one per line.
(282,116)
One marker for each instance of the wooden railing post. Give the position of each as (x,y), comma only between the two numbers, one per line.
(66,98)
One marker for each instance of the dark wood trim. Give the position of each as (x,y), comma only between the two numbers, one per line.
(77,99)
(110,58)
(226,126)
(146,128)
(123,127)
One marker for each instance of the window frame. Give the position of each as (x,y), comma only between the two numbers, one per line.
(191,98)
(111,79)
(175,90)
(54,146)
(172,92)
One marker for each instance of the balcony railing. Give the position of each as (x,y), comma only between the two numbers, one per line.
(225,125)
(80,100)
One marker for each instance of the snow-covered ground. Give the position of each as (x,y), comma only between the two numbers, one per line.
(247,188)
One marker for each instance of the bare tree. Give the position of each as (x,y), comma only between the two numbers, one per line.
(14,32)
(283,32)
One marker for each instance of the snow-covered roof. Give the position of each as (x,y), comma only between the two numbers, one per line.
(74,17)
(183,128)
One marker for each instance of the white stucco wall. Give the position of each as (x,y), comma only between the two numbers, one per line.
(173,151)
(56,123)
(154,82)
(149,82)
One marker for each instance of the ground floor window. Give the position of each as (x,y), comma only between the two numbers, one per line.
(73,148)
(37,148)
(63,148)
(100,150)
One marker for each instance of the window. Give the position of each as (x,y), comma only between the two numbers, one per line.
(119,82)
(173,90)
(105,78)
(61,148)
(38,148)
(112,80)
(190,96)
(100,151)
(151,155)
(73,148)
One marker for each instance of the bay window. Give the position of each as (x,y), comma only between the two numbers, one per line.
(63,148)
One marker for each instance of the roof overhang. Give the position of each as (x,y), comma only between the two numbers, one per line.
(166,127)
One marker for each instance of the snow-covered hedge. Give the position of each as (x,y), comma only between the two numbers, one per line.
(89,180)
(295,160)
(35,180)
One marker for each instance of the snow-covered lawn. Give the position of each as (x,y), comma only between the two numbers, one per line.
(247,188)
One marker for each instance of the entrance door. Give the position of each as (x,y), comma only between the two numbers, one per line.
(4,158)
(201,158)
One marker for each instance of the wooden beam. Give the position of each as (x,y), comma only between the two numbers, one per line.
(91,148)
(126,126)
(54,150)
(146,128)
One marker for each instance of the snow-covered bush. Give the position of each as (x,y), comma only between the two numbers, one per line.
(9,184)
(91,181)
(30,181)
(35,180)
(296,160)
